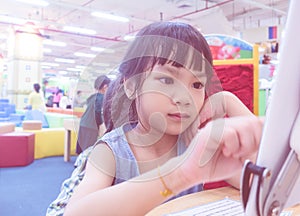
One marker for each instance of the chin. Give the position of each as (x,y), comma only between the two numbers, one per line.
(175,131)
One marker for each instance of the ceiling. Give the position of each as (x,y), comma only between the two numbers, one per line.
(209,16)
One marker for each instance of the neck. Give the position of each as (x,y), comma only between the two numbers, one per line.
(150,151)
(154,141)
(101,91)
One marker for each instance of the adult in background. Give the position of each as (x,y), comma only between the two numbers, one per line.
(91,123)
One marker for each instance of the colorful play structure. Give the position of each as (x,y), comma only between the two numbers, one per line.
(28,135)
(236,63)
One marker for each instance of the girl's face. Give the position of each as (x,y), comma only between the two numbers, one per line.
(170,99)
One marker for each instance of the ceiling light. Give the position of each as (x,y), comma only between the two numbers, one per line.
(46,67)
(54,43)
(12,20)
(47,50)
(62,72)
(99,64)
(2,47)
(111,76)
(129,37)
(81,67)
(79,30)
(88,55)
(35,2)
(110,16)
(63,60)
(74,69)
(101,49)
(97,49)
(3,36)
(50,64)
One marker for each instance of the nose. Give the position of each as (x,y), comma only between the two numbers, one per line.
(181,97)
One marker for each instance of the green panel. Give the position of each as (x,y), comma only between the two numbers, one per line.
(262,103)
(56,120)
(244,54)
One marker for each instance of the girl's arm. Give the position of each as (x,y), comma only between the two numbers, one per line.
(209,157)
(133,197)
(223,104)
(96,196)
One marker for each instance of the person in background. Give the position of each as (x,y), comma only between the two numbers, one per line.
(91,123)
(154,149)
(65,102)
(56,97)
(78,100)
(49,102)
(45,84)
(36,99)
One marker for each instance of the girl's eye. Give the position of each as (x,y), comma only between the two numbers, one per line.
(197,85)
(166,80)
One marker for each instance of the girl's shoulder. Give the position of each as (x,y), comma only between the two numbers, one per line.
(114,137)
(117,141)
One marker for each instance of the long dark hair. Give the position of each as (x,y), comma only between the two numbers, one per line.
(158,43)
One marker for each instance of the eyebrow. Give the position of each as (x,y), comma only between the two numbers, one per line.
(173,71)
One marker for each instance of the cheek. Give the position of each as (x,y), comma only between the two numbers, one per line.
(198,100)
(149,102)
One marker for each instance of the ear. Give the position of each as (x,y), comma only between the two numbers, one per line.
(130,88)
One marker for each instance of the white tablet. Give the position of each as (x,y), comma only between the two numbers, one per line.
(275,175)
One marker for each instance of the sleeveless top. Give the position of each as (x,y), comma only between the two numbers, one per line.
(126,164)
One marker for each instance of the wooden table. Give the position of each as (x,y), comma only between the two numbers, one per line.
(201,198)
(69,125)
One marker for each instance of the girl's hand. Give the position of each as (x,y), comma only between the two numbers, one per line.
(220,105)
(219,150)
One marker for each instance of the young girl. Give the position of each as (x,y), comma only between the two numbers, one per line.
(153,150)
(36,99)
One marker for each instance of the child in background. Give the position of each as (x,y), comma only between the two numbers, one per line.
(153,150)
(57,96)
(36,99)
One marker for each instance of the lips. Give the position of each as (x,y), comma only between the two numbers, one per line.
(179,115)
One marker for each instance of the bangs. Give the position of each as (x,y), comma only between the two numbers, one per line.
(155,49)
